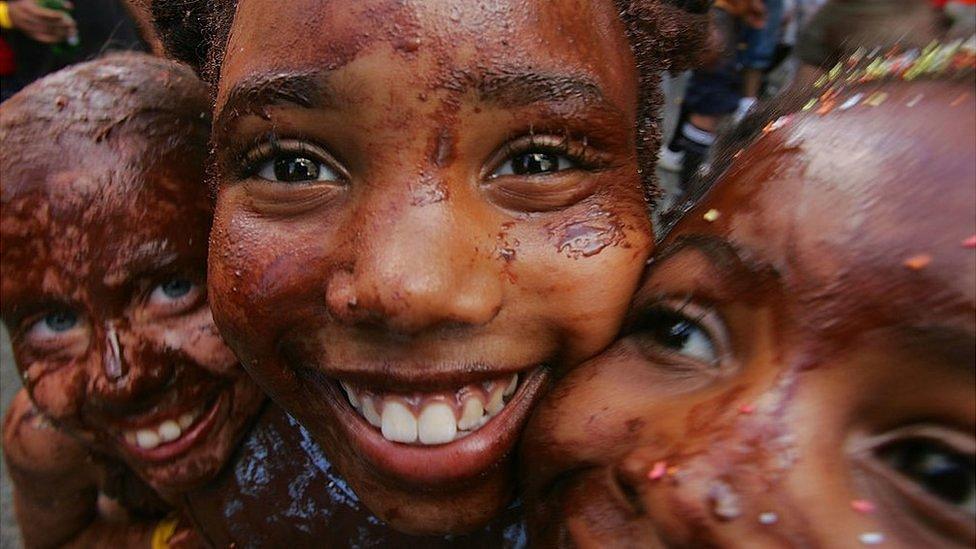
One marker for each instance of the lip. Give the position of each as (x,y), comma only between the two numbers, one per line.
(216,413)
(445,464)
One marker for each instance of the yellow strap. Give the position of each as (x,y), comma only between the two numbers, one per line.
(5,21)
(161,534)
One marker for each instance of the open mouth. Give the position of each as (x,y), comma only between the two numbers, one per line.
(429,438)
(432,418)
(172,432)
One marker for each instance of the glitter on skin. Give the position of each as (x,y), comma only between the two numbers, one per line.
(711,215)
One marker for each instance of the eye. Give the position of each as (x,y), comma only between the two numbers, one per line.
(676,332)
(174,291)
(295,169)
(534,162)
(940,470)
(56,322)
(292,161)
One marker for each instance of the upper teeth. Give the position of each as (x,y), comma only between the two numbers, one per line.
(167,430)
(432,418)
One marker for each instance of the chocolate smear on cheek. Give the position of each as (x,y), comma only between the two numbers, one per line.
(588,234)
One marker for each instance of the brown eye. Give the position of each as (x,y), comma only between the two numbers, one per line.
(942,471)
(534,162)
(673,331)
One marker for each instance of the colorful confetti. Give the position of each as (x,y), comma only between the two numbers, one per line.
(852,101)
(918,262)
(862,506)
(711,215)
(958,101)
(747,409)
(914,101)
(969,242)
(768,518)
(658,470)
(876,99)
(871,538)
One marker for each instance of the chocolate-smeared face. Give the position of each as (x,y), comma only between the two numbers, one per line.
(104,293)
(798,366)
(423,207)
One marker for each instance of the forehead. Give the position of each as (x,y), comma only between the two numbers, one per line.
(430,39)
(866,207)
(79,228)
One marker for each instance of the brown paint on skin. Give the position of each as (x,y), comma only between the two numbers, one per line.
(109,205)
(826,346)
(399,278)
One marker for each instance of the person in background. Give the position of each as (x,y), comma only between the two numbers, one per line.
(42,36)
(745,34)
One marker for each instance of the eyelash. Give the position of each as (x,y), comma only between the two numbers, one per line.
(266,147)
(271,145)
(576,148)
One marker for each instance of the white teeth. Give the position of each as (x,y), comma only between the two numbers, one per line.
(510,390)
(370,413)
(186,420)
(436,424)
(147,439)
(443,416)
(399,425)
(471,415)
(351,395)
(169,430)
(495,402)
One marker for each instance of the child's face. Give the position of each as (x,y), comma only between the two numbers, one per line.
(421,200)
(104,294)
(800,370)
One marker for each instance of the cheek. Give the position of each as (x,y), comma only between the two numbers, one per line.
(196,338)
(259,268)
(582,271)
(58,392)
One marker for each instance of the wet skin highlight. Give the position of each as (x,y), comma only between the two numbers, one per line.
(406,208)
(791,372)
(104,233)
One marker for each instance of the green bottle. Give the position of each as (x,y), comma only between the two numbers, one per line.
(70,45)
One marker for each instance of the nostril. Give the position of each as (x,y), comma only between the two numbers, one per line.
(112,359)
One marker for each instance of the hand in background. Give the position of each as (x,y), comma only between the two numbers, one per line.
(42,24)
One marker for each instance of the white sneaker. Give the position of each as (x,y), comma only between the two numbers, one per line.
(669,160)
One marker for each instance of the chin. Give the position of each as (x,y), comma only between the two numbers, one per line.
(186,458)
(448,484)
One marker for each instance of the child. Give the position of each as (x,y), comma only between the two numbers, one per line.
(418,209)
(104,226)
(798,366)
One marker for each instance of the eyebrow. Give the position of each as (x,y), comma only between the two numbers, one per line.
(519,88)
(151,256)
(305,89)
(731,265)
(308,89)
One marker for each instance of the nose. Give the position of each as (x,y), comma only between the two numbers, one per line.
(416,269)
(128,367)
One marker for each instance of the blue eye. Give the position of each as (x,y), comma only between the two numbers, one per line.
(176,288)
(295,169)
(60,321)
(534,162)
(176,291)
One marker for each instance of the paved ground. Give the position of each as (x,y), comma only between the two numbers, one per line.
(9,384)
